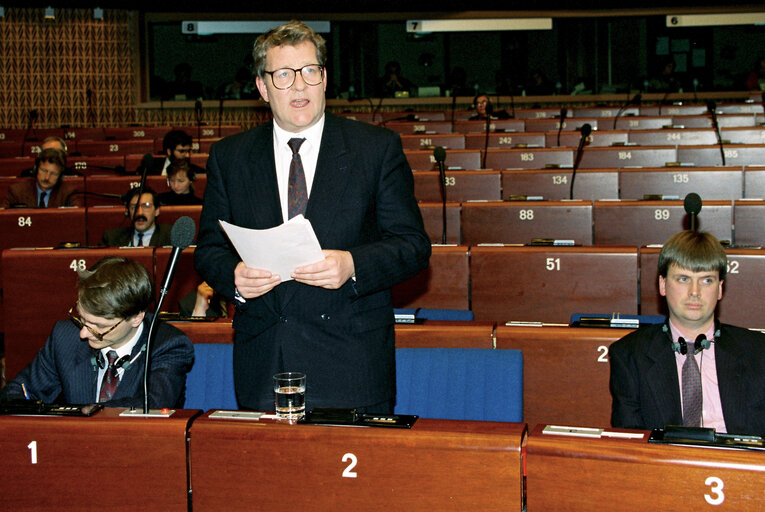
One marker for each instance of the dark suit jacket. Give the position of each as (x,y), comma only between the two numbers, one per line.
(65,366)
(361,201)
(646,390)
(25,192)
(123,237)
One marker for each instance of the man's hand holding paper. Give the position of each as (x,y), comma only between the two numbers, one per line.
(331,273)
(289,251)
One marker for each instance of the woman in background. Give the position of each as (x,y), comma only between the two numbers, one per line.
(180,177)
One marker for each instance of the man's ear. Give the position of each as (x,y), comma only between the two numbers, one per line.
(137,319)
(662,286)
(262,88)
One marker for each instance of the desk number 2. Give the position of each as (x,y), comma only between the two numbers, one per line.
(351,458)
(33,451)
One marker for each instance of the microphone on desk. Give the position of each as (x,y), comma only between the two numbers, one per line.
(439,153)
(712,110)
(146,162)
(563,114)
(181,236)
(198,116)
(489,112)
(585,131)
(692,205)
(636,99)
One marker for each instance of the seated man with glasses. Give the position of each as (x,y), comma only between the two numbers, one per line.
(47,189)
(144,231)
(98,354)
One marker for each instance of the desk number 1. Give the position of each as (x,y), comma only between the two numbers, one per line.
(33,451)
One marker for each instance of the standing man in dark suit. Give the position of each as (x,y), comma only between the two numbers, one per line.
(334,319)
(692,370)
(98,354)
(47,189)
(145,230)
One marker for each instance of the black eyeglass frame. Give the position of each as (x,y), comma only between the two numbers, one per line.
(294,75)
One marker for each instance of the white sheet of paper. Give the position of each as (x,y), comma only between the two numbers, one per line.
(280,249)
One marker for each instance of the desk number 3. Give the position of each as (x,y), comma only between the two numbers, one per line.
(351,459)
(715,496)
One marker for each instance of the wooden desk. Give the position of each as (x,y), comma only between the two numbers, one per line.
(115,147)
(605,112)
(642,122)
(673,137)
(627,156)
(653,222)
(136,132)
(460,185)
(549,125)
(419,127)
(577,357)
(445,140)
(709,182)
(740,154)
(595,139)
(517,222)
(496,125)
(437,465)
(548,284)
(445,334)
(432,217)
(504,140)
(445,284)
(529,158)
(218,331)
(104,462)
(745,135)
(423,160)
(749,216)
(555,184)
(566,473)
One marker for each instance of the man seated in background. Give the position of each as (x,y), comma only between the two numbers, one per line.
(47,189)
(51,142)
(144,230)
(691,370)
(97,355)
(176,145)
(484,109)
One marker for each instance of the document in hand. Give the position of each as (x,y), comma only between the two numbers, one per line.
(281,249)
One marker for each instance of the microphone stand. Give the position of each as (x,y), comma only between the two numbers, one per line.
(440,155)
(489,112)
(586,129)
(712,108)
(563,114)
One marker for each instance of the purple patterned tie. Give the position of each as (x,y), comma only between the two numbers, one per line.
(692,401)
(297,193)
(111,378)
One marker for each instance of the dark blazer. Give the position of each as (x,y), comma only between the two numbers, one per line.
(123,237)
(66,366)
(361,201)
(646,390)
(25,192)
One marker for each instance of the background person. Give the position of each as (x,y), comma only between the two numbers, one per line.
(98,354)
(145,231)
(654,384)
(47,189)
(180,179)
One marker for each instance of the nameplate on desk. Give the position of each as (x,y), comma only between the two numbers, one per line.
(589,432)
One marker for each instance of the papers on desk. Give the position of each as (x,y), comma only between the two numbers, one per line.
(588,432)
(280,250)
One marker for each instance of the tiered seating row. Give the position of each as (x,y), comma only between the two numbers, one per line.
(607,222)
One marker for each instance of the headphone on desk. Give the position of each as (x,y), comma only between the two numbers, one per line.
(681,346)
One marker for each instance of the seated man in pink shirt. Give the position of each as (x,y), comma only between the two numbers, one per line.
(692,370)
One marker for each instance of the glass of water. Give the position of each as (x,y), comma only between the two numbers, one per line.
(289,395)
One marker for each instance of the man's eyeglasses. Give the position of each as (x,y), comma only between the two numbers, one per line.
(76,320)
(144,206)
(283,78)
